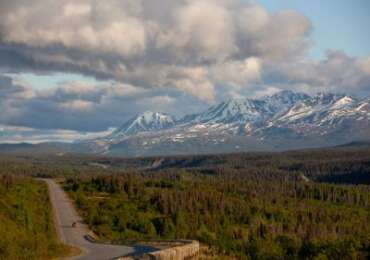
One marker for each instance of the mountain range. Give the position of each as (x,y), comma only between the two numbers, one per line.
(286,120)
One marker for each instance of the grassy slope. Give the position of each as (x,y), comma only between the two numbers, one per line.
(26,227)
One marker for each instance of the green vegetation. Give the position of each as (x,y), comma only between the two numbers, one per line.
(26,227)
(258,219)
(312,204)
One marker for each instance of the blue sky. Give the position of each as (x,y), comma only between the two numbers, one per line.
(337,24)
(50,80)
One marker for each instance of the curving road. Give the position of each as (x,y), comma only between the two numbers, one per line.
(65,215)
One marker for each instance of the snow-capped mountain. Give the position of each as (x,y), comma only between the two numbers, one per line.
(241,111)
(281,121)
(322,110)
(147,121)
(282,101)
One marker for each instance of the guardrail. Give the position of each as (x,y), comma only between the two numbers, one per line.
(176,250)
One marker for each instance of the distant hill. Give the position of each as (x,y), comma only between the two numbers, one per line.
(356,144)
(43,148)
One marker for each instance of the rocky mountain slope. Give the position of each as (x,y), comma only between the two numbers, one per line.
(286,120)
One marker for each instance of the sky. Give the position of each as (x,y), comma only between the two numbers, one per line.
(95,64)
(341,24)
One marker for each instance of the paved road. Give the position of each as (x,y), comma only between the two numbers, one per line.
(65,215)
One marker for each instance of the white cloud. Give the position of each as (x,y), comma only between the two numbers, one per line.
(338,72)
(197,31)
(171,55)
(77,105)
(107,26)
(139,43)
(237,73)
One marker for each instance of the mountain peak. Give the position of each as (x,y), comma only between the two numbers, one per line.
(288,96)
(147,121)
(234,110)
(285,93)
(327,97)
(345,101)
(150,115)
(285,119)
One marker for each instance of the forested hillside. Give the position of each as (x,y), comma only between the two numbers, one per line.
(257,218)
(312,204)
(26,227)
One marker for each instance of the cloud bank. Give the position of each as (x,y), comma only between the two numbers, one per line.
(154,55)
(173,44)
(84,106)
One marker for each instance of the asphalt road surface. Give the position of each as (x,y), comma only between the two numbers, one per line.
(65,215)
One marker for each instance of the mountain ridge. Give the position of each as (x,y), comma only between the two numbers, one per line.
(146,121)
(281,121)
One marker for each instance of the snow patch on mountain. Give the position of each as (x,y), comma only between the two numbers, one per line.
(284,119)
(147,121)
